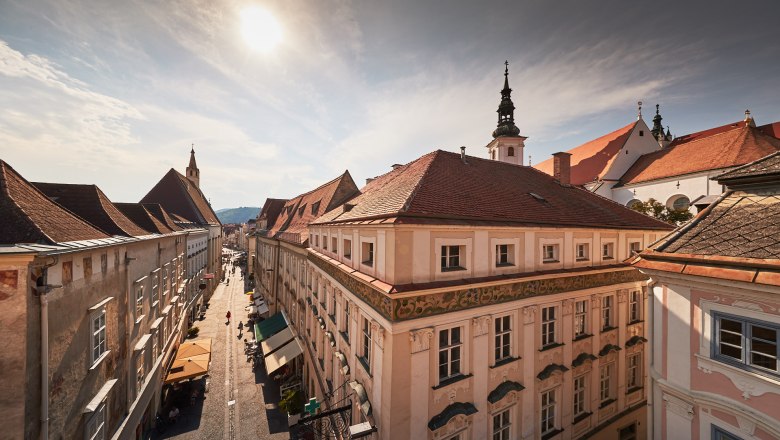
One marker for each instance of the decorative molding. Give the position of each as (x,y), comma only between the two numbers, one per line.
(622,295)
(595,301)
(529,314)
(749,384)
(421,339)
(419,306)
(679,406)
(746,425)
(568,306)
(481,325)
(379,334)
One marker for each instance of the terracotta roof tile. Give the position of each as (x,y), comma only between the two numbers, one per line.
(440,187)
(717,148)
(141,216)
(178,195)
(298,212)
(91,204)
(766,166)
(271,210)
(162,215)
(591,160)
(31,217)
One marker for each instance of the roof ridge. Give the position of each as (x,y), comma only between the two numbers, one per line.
(409,199)
(340,176)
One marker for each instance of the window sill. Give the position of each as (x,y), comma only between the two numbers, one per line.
(332,318)
(368,263)
(452,269)
(505,361)
(504,264)
(551,346)
(99,361)
(140,318)
(581,337)
(581,417)
(606,403)
(365,364)
(580,260)
(348,257)
(608,329)
(451,380)
(638,321)
(550,261)
(607,258)
(551,434)
(633,390)
(154,304)
(345,336)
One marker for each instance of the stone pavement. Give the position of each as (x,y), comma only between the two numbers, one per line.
(240,403)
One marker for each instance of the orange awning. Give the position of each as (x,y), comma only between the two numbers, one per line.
(192,360)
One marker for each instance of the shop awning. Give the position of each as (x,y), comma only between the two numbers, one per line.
(271,326)
(276,341)
(343,362)
(192,360)
(208,276)
(282,356)
(362,395)
(261,307)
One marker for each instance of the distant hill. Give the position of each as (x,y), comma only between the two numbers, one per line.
(237,215)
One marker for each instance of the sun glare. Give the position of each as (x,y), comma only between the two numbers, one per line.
(260,29)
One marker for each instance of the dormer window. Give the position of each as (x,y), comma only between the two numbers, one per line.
(315,208)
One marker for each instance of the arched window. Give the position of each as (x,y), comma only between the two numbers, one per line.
(678,202)
(633,202)
(511,151)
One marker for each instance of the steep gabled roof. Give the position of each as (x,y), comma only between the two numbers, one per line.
(298,212)
(162,215)
(271,210)
(28,216)
(179,195)
(92,205)
(138,213)
(717,148)
(591,160)
(442,188)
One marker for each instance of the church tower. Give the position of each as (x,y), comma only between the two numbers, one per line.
(193,173)
(507,144)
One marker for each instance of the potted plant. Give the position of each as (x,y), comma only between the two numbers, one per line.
(292,404)
(193,332)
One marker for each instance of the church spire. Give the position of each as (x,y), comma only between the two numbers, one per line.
(193,173)
(506,110)
(658,129)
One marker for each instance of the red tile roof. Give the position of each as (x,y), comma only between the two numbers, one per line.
(271,210)
(180,196)
(292,223)
(162,215)
(440,187)
(592,159)
(138,213)
(28,216)
(91,204)
(717,148)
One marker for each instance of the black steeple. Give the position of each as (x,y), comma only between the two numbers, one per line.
(658,129)
(506,110)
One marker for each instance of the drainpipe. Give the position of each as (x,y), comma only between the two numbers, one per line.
(41,288)
(44,367)
(651,344)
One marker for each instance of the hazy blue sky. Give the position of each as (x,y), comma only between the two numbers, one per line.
(114,92)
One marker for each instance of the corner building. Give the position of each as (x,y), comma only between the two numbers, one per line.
(475,299)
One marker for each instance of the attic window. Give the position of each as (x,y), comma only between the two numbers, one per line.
(289,210)
(537,197)
(301,210)
(641,132)
(315,207)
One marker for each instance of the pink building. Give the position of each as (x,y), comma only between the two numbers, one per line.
(715,315)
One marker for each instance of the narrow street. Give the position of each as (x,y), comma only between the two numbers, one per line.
(240,403)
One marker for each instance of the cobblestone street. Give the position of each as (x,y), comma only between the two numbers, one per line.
(240,403)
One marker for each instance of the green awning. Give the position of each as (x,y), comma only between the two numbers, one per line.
(271,326)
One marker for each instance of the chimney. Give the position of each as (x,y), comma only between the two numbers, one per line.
(463,153)
(562,168)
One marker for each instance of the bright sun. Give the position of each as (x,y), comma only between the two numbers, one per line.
(260,29)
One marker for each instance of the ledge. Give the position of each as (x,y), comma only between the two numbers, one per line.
(551,346)
(581,417)
(608,329)
(505,264)
(552,434)
(365,365)
(345,337)
(634,389)
(504,361)
(452,269)
(451,380)
(606,403)
(581,337)
(99,361)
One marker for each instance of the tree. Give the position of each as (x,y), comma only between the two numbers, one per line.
(655,209)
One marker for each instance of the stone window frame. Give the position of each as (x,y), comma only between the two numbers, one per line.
(639,383)
(97,311)
(635,315)
(588,243)
(555,323)
(585,376)
(138,300)
(556,417)
(465,257)
(505,428)
(612,246)
(610,380)
(505,332)
(92,431)
(557,261)
(514,255)
(369,268)
(464,354)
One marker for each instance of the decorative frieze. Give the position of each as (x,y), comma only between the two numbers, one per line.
(419,306)
(529,314)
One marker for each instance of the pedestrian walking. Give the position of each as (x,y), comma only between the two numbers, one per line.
(227,315)
(240,326)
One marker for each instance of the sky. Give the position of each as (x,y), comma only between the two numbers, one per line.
(115,93)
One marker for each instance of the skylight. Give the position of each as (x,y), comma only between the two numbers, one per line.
(537,197)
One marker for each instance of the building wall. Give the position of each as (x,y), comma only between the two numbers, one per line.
(663,190)
(639,142)
(699,391)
